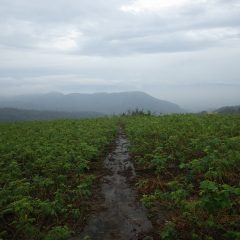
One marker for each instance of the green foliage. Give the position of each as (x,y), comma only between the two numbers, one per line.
(58,233)
(190,165)
(216,196)
(194,162)
(45,175)
(232,235)
(148,200)
(169,231)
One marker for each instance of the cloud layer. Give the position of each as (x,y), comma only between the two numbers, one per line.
(119,27)
(119,45)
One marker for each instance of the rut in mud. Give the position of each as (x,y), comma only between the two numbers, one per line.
(123,218)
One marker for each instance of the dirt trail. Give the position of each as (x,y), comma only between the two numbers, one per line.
(123,218)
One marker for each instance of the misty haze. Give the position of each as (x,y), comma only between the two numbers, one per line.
(181,51)
(119,120)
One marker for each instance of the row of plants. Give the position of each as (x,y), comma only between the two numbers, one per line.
(188,167)
(46,177)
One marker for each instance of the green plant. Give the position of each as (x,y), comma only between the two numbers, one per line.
(169,232)
(58,233)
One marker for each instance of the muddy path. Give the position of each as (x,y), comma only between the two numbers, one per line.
(123,218)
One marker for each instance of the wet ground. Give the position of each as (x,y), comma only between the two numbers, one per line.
(123,217)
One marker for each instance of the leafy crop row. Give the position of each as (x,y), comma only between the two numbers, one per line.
(45,175)
(189,168)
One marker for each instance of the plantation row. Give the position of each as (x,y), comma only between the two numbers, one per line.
(45,175)
(189,173)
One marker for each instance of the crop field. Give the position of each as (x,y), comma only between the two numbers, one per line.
(187,174)
(45,175)
(188,169)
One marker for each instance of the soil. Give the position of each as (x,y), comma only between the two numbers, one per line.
(122,216)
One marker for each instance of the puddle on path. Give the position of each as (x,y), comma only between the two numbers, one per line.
(123,218)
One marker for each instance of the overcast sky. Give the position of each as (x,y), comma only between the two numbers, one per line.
(184,51)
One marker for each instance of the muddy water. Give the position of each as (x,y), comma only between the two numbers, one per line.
(123,218)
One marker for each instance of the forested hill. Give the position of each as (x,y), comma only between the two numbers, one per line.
(229,109)
(107,103)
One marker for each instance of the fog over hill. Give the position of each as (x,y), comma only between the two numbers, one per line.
(229,109)
(106,103)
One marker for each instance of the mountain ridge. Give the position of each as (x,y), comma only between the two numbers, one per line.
(107,103)
(228,109)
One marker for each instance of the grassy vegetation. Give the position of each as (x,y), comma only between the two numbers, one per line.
(188,169)
(45,175)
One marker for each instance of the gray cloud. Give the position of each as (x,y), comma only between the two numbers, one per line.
(101,28)
(91,46)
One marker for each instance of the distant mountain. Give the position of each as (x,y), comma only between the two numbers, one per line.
(15,115)
(229,109)
(107,103)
